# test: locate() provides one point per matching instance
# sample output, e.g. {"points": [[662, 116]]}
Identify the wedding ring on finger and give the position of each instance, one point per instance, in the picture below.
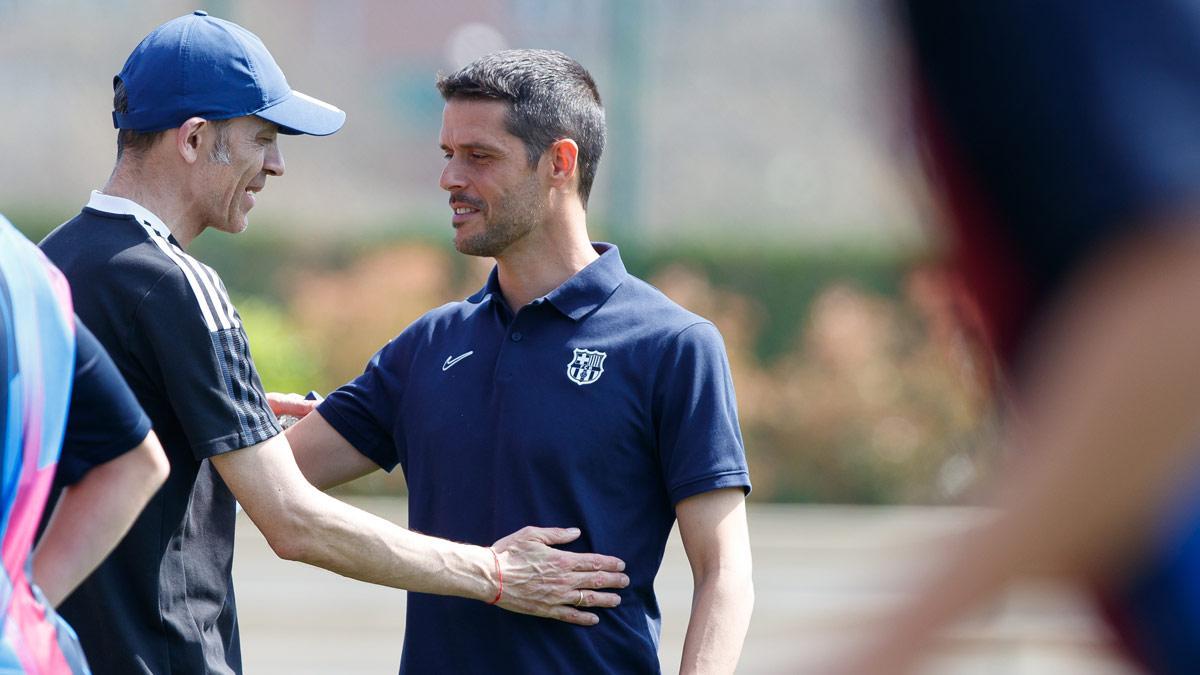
{"points": [[579, 602]]}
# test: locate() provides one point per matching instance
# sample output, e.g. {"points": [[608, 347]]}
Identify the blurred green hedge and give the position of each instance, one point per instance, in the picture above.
{"points": [[853, 383]]}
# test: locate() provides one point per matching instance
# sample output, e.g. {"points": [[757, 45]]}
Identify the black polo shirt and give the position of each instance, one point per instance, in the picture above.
{"points": [[163, 601]]}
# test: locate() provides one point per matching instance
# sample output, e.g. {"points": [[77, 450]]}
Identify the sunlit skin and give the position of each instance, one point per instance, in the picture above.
{"points": [[488, 176], [186, 183], [528, 217], [227, 191]]}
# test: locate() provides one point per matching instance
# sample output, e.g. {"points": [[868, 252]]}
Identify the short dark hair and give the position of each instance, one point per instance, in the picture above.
{"points": [[550, 96], [140, 141], [128, 139]]}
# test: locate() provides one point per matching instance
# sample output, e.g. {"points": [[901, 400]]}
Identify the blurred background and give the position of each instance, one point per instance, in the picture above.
{"points": [[759, 171]]}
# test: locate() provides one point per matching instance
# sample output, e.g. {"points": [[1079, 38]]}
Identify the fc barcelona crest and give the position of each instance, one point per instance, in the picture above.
{"points": [[586, 366]]}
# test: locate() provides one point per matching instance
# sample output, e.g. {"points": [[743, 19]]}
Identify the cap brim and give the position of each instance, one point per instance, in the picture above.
{"points": [[303, 114]]}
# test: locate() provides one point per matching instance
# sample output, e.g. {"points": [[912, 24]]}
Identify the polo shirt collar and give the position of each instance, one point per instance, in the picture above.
{"points": [[582, 293], [122, 206]]}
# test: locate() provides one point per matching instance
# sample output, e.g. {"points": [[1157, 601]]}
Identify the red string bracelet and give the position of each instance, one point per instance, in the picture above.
{"points": [[499, 577]]}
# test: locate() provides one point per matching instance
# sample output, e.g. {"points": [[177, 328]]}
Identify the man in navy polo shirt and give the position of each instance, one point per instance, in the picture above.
{"points": [[565, 390], [199, 104]]}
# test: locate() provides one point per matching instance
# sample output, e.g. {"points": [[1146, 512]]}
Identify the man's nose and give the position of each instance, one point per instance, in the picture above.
{"points": [[273, 162], [452, 177]]}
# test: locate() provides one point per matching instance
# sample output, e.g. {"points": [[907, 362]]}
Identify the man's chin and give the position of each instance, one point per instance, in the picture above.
{"points": [[232, 227], [467, 250], [473, 246]]}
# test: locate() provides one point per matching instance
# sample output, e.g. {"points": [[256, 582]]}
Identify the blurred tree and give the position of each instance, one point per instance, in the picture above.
{"points": [[283, 357], [856, 382]]}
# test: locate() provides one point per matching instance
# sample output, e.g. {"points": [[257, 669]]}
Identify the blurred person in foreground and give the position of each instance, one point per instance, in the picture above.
{"points": [[564, 389], [59, 381], [199, 106], [1066, 141]]}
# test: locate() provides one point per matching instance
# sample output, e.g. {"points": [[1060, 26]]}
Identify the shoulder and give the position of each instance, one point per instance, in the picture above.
{"points": [[446, 319], [193, 285], [662, 319], [431, 327], [95, 228], [110, 246]]}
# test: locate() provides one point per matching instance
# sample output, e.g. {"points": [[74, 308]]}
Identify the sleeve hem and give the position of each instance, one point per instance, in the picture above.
{"points": [[224, 444], [736, 478], [71, 470], [347, 431]]}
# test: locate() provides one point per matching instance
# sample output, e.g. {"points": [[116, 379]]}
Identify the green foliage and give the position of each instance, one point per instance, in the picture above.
{"points": [[782, 281], [852, 387], [284, 360], [36, 222]]}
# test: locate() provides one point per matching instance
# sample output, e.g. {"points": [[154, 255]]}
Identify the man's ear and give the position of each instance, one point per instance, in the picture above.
{"points": [[564, 162], [190, 136]]}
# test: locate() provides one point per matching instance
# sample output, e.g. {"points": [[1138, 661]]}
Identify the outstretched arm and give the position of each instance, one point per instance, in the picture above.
{"points": [[325, 458], [713, 528], [302, 523], [1109, 417]]}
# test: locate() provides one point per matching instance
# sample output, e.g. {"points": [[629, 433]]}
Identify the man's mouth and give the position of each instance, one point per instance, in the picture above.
{"points": [[463, 209], [251, 195]]}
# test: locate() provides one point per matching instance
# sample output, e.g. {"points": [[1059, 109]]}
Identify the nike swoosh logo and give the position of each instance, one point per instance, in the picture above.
{"points": [[450, 361]]}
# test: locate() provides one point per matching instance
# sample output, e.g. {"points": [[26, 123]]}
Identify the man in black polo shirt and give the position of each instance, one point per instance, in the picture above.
{"points": [[199, 104]]}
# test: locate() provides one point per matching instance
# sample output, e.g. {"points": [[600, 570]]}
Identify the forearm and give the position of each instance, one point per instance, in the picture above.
{"points": [[1108, 421], [328, 533], [1107, 418], [302, 523], [325, 458], [713, 528], [92, 516], [721, 607]]}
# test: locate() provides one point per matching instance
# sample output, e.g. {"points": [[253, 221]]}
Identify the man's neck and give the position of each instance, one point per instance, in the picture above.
{"points": [[543, 261], [128, 182]]}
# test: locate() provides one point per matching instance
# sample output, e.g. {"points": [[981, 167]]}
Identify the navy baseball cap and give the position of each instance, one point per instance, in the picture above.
{"points": [[201, 66]]}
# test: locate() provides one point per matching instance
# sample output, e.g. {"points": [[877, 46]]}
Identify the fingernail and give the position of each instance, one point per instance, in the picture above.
{"points": [[621, 566], [572, 530], [594, 620]]}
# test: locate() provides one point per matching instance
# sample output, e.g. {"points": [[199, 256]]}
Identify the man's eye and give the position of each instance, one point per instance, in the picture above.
{"points": [[478, 155]]}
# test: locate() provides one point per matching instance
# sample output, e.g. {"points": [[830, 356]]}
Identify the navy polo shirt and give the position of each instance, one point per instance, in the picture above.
{"points": [[599, 406]]}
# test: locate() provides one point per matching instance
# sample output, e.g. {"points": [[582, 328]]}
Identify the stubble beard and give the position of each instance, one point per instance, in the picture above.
{"points": [[515, 216], [225, 214]]}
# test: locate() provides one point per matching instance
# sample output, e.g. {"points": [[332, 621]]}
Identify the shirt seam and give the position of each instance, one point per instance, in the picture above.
{"points": [[708, 477], [662, 357], [339, 422], [127, 338]]}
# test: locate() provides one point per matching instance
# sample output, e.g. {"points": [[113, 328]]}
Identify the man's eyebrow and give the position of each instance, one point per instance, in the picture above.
{"points": [[491, 149]]}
